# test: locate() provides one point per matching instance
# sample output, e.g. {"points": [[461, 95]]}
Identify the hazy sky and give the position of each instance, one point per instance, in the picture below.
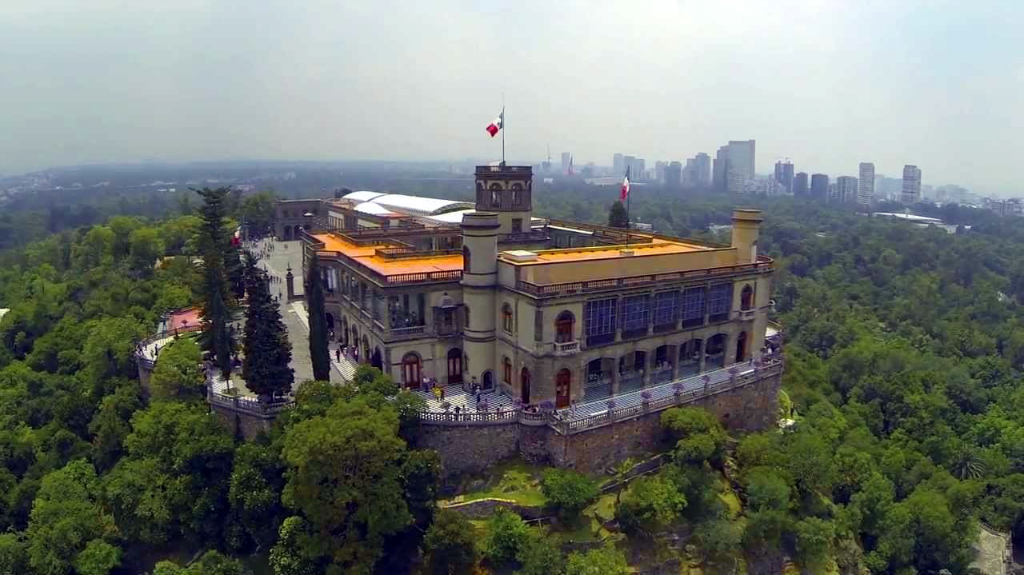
{"points": [[825, 83]]}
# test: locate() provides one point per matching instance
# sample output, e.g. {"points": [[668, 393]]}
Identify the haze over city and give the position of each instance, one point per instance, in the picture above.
{"points": [[827, 84]]}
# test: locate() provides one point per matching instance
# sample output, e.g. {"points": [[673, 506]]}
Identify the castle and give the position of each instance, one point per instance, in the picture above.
{"points": [[576, 322]]}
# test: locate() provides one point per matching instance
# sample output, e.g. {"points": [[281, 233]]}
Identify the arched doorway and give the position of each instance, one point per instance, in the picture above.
{"points": [[411, 370], [524, 386], [375, 359], [563, 385], [714, 354], [664, 357], [689, 357], [454, 366], [741, 347], [330, 321], [488, 382], [344, 330], [287, 233], [365, 354], [631, 371], [598, 382]]}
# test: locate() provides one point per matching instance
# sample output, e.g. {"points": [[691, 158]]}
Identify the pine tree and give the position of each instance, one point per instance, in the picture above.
{"points": [[318, 353], [216, 299], [265, 344], [617, 216]]}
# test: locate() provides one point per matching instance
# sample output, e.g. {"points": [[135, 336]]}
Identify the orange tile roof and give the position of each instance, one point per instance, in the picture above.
{"points": [[657, 247], [366, 255]]}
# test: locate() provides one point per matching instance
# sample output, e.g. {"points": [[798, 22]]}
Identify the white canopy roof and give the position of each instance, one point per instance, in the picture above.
{"points": [[451, 217], [373, 209], [362, 196], [419, 206]]}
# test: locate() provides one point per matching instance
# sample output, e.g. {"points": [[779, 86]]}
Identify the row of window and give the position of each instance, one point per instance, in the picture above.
{"points": [[633, 314]]}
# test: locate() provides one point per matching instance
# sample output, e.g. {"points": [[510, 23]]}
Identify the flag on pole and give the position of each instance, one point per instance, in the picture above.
{"points": [[625, 187], [494, 127]]}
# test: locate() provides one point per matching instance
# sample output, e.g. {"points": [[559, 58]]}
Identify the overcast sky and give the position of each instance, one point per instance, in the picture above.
{"points": [[826, 83]]}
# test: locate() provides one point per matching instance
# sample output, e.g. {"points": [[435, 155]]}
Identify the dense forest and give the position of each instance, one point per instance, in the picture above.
{"points": [[904, 350]]}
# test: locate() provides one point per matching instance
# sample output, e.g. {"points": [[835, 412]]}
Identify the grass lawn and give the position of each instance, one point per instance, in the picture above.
{"points": [[514, 480]]}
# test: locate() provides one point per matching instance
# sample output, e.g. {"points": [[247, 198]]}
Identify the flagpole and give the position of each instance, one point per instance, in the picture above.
{"points": [[628, 197], [503, 130]]}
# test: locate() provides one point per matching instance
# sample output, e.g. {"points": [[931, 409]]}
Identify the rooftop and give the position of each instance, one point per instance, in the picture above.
{"points": [[656, 247], [370, 257]]}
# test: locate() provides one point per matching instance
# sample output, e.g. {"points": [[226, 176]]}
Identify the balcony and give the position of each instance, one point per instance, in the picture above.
{"points": [[413, 332], [567, 348], [746, 314]]}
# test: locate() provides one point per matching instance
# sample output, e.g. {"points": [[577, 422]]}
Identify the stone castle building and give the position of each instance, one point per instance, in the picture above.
{"points": [[549, 313]]}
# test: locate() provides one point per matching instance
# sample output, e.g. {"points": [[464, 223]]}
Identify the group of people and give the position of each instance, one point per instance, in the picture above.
{"points": [[350, 352]]}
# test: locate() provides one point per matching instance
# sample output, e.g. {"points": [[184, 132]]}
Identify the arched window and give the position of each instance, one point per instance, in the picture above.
{"points": [[465, 259], [495, 195], [746, 297], [506, 318], [506, 370], [564, 324], [517, 194], [411, 370]]}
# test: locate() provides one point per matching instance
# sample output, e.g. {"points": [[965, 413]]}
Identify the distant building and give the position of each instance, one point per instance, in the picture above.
{"points": [[659, 171], [697, 173], [800, 184], [784, 175], [566, 159], [846, 189], [911, 185], [819, 187], [618, 164], [637, 169], [866, 184], [674, 176], [887, 189], [734, 166]]}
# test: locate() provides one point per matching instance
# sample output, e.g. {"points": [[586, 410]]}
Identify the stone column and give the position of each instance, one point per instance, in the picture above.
{"points": [[615, 377], [290, 281]]}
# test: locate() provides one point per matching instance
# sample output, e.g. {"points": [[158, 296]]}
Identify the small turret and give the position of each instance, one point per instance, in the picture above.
{"points": [[746, 226]]}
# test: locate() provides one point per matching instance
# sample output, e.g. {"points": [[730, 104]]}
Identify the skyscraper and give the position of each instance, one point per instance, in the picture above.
{"points": [[618, 165], [846, 189], [911, 185], [733, 166], [800, 184], [866, 184], [673, 176], [566, 157], [702, 170], [784, 175], [819, 187], [659, 171]]}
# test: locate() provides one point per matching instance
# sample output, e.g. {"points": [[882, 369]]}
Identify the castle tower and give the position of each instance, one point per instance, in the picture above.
{"points": [[508, 192], [746, 226], [479, 277]]}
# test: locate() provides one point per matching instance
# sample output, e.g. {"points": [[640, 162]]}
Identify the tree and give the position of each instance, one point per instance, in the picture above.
{"points": [[178, 373], [214, 293], [209, 563], [344, 477], [540, 554], [698, 434], [318, 353], [255, 494], [814, 543], [66, 517], [450, 545], [617, 216], [506, 536], [602, 561], [98, 558], [267, 351], [13, 553], [568, 491], [294, 553], [651, 504], [110, 425], [766, 490], [720, 541], [622, 470]]}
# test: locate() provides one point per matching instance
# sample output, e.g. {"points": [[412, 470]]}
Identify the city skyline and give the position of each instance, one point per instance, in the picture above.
{"points": [[109, 82]]}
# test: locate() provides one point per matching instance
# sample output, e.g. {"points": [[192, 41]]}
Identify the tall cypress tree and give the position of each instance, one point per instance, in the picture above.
{"points": [[318, 354], [215, 295], [617, 216], [268, 352]]}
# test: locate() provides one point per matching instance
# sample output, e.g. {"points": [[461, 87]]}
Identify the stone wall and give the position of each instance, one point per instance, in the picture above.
{"points": [[469, 448], [240, 423], [472, 449]]}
